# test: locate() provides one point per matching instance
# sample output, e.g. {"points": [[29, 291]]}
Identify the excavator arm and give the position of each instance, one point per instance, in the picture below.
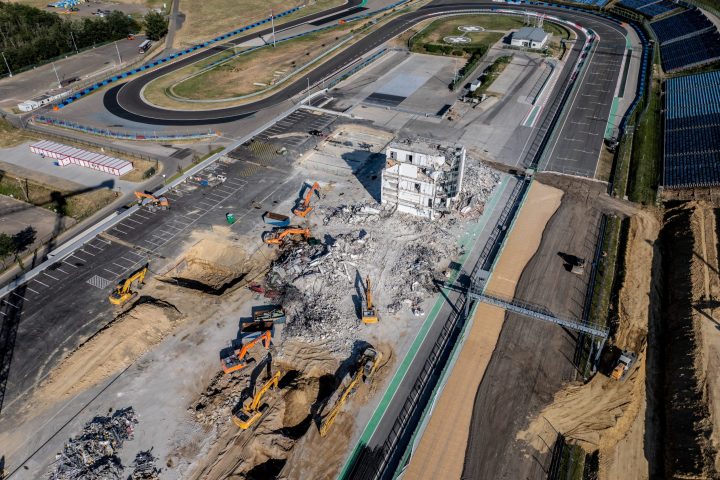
{"points": [[277, 237], [304, 208], [249, 414], [236, 361], [123, 291]]}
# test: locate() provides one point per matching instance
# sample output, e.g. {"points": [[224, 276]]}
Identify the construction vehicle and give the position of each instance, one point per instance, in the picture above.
{"points": [[253, 410], [236, 361], [369, 311], [276, 219], [623, 366], [277, 236], [366, 368], [151, 202], [304, 208], [123, 291]]}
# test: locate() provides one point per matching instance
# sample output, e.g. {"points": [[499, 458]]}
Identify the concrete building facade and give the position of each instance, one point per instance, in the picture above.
{"points": [[530, 37], [422, 178]]}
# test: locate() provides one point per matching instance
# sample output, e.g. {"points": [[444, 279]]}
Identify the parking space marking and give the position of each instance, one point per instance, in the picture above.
{"points": [[41, 283], [110, 271], [34, 291], [45, 273], [18, 295], [85, 251], [69, 264]]}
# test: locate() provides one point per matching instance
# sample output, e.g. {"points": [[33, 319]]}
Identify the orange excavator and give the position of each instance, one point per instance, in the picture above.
{"points": [[151, 202], [277, 236], [236, 361], [304, 208]]}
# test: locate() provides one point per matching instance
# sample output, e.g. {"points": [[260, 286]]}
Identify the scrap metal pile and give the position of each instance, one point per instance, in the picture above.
{"points": [[144, 466], [92, 455]]}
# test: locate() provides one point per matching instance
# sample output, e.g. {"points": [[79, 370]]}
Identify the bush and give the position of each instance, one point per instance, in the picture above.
{"points": [[149, 172], [156, 26]]}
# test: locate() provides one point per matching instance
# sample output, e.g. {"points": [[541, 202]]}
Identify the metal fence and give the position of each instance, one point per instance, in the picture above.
{"points": [[105, 132]]}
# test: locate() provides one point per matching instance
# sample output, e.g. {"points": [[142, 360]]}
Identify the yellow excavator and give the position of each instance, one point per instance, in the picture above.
{"points": [[276, 237], [123, 291], [369, 311], [253, 410], [304, 208], [151, 202], [367, 366]]}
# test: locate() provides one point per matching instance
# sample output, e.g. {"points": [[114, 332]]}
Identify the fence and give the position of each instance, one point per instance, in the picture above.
{"points": [[162, 60], [104, 132]]}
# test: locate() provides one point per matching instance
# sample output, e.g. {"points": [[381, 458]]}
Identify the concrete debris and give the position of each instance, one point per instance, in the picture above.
{"points": [[478, 184], [94, 453], [216, 403], [144, 466]]}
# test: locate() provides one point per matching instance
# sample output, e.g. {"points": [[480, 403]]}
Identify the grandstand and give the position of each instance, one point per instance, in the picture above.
{"points": [[596, 3], [682, 25], [692, 131], [649, 8], [687, 39]]}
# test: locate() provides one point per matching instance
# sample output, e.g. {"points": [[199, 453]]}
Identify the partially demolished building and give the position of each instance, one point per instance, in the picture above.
{"points": [[422, 178]]}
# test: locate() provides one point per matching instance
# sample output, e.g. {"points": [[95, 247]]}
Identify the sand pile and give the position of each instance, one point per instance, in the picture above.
{"points": [[211, 265], [112, 349]]}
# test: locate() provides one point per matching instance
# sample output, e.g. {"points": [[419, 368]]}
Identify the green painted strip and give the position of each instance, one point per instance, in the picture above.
{"points": [[466, 241], [611, 118], [531, 118], [628, 44]]}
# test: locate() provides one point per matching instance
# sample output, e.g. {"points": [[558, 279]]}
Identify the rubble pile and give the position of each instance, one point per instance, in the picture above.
{"points": [[479, 181], [93, 454], [144, 467], [222, 395]]}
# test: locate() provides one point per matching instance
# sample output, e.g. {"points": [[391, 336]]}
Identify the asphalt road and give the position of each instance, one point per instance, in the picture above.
{"points": [[125, 100]]}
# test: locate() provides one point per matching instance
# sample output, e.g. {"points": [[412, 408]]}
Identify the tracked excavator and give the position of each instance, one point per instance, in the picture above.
{"points": [[369, 311], [304, 208], [253, 410], [276, 237], [123, 291], [151, 202], [366, 368], [236, 361]]}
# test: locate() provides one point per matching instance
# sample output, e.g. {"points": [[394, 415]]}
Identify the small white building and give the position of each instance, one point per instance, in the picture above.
{"points": [[422, 178], [530, 37], [42, 100]]}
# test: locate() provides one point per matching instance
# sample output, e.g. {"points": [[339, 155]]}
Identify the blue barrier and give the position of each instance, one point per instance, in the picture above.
{"points": [[184, 52]]}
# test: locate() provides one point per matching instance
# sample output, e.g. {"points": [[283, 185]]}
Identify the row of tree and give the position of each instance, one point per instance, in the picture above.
{"points": [[29, 36]]}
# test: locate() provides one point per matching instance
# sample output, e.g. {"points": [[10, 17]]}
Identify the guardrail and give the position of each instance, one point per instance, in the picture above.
{"points": [[105, 132], [162, 60]]}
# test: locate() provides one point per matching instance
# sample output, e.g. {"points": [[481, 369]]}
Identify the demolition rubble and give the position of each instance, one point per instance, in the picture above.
{"points": [[94, 453]]}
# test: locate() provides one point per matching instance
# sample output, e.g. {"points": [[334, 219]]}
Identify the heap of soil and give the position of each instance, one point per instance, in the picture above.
{"points": [[211, 265], [112, 349]]}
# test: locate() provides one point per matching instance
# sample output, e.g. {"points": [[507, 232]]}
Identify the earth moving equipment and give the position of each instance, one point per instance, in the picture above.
{"points": [[236, 361], [304, 208], [253, 410], [623, 366], [123, 291], [366, 368], [151, 202], [276, 219], [369, 311], [277, 236]]}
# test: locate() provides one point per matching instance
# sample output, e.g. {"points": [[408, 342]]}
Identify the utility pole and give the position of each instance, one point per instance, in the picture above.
{"points": [[6, 63], [308, 90], [272, 22], [73, 40], [56, 75], [118, 52]]}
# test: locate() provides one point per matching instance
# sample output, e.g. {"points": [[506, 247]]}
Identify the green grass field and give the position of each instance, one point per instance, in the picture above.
{"points": [[647, 149]]}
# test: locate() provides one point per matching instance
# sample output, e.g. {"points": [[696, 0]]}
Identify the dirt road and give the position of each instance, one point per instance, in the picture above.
{"points": [[532, 359]]}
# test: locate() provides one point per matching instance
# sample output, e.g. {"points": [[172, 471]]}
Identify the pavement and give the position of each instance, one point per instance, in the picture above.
{"points": [[103, 59]]}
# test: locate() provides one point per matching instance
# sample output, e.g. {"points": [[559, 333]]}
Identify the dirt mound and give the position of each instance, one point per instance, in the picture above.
{"points": [[211, 265], [299, 400], [599, 414], [112, 349]]}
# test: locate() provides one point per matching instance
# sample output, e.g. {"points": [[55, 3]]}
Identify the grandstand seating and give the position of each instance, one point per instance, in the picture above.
{"points": [[597, 3], [692, 131], [691, 51], [649, 8], [680, 25]]}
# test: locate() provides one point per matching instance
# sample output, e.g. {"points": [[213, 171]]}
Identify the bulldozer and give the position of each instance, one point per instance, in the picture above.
{"points": [[123, 291], [277, 236], [623, 365], [304, 207], [236, 361], [366, 368], [151, 202], [253, 410], [369, 311]]}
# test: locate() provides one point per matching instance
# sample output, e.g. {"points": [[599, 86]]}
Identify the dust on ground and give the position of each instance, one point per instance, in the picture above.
{"points": [[441, 451]]}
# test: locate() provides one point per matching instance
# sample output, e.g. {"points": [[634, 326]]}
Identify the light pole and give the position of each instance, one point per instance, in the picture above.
{"points": [[272, 22], [73, 40], [6, 63]]}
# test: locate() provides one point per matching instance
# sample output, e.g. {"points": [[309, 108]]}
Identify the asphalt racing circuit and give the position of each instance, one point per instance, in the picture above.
{"points": [[68, 300]]}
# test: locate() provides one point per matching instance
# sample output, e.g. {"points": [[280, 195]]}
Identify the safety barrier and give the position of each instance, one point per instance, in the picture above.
{"points": [[160, 61], [104, 132]]}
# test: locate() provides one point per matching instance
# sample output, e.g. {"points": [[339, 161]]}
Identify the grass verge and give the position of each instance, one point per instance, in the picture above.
{"points": [[647, 150], [11, 136], [491, 73]]}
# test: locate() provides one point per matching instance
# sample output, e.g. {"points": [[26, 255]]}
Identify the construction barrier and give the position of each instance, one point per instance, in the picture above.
{"points": [[104, 132]]}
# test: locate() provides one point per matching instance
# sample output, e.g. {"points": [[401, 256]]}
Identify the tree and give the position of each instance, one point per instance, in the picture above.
{"points": [[156, 26], [7, 246]]}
